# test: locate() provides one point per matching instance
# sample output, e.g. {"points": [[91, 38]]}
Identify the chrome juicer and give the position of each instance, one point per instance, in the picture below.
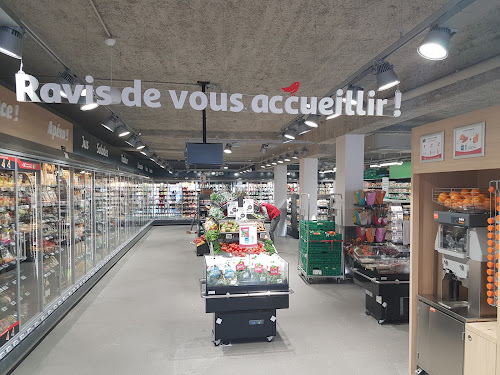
{"points": [[462, 241]]}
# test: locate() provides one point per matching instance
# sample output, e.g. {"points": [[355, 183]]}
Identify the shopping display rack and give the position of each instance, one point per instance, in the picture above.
{"points": [[493, 244], [320, 247]]}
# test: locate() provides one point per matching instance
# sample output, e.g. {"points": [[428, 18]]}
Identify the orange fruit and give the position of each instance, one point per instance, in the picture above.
{"points": [[498, 237], [490, 243], [490, 250], [490, 279], [465, 192], [489, 293], [497, 255], [483, 196], [497, 227], [490, 256], [475, 191], [496, 275], [498, 218], [497, 246], [496, 293], [489, 286], [489, 271], [491, 228], [443, 196], [490, 301], [490, 235], [498, 199], [491, 189], [490, 264], [477, 199], [447, 203], [496, 284], [490, 220]]}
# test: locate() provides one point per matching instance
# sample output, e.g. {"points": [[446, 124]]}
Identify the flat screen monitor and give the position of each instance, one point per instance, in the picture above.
{"points": [[204, 153]]}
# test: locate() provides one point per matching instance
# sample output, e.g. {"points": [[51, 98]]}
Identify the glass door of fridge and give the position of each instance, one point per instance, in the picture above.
{"points": [[101, 216], [82, 222], [9, 265], [113, 212], [31, 268], [65, 226], [50, 232], [123, 209]]}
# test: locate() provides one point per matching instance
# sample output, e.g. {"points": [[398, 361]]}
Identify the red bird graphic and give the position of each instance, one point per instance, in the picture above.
{"points": [[292, 89]]}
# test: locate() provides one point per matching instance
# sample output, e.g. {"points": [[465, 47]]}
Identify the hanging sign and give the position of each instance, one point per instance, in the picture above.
{"points": [[431, 147], [469, 141], [28, 165], [349, 103], [33, 123], [7, 162]]}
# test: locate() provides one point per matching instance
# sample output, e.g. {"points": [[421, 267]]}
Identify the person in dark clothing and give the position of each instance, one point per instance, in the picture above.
{"points": [[274, 215]]}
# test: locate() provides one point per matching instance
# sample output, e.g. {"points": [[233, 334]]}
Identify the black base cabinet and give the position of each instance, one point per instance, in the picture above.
{"points": [[386, 300], [244, 325]]}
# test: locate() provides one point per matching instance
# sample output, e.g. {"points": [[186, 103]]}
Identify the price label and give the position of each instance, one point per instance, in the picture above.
{"points": [[229, 236], [317, 272]]}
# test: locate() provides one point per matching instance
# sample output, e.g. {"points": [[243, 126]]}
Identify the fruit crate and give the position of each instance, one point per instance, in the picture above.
{"points": [[324, 225]]}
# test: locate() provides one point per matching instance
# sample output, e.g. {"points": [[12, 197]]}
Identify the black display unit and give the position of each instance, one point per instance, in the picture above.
{"points": [[386, 296]]}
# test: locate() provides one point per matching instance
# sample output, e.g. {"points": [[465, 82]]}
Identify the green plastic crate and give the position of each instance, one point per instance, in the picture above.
{"points": [[332, 257], [324, 269], [317, 225], [319, 247]]}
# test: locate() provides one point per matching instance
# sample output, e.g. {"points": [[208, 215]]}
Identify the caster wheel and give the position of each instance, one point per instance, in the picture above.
{"points": [[225, 342], [270, 338], [367, 312], [216, 342], [309, 280], [381, 321]]}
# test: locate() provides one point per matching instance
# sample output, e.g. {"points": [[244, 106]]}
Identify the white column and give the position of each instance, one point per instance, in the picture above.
{"points": [[280, 197], [350, 166], [308, 183]]}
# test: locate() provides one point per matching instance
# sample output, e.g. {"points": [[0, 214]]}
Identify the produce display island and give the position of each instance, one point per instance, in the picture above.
{"points": [[245, 280]]}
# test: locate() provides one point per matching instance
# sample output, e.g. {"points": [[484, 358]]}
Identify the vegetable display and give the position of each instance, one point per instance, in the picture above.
{"points": [[212, 235], [216, 213], [236, 250], [229, 226], [217, 247], [269, 246]]}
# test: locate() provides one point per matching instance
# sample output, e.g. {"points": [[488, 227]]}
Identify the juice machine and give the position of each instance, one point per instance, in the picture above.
{"points": [[462, 241]]}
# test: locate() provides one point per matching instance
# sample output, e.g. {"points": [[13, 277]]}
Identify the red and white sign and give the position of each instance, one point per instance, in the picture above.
{"points": [[28, 165], [431, 147], [469, 141], [273, 270]]}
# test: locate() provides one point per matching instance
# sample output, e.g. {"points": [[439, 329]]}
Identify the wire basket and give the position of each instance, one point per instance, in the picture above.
{"points": [[466, 200]]}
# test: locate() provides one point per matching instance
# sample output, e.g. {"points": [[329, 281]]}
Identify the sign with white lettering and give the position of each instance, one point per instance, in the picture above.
{"points": [[33, 123], [342, 102]]}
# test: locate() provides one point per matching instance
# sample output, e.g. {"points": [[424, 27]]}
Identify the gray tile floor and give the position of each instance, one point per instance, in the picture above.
{"points": [[146, 317]]}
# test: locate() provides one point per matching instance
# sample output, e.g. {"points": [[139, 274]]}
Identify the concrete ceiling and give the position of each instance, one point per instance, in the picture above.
{"points": [[251, 47]]}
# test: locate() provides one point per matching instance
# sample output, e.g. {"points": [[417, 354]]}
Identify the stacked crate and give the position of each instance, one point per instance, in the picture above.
{"points": [[320, 252]]}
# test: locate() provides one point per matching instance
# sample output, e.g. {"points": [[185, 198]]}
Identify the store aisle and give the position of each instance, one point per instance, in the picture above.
{"points": [[146, 317]]}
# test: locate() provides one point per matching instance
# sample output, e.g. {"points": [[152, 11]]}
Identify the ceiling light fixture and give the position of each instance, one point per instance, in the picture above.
{"points": [[303, 128], [268, 164], [146, 152], [140, 145], [225, 167], [290, 133], [66, 77], [122, 131], [280, 160], [295, 155], [11, 41], [110, 123], [227, 149], [236, 174], [386, 77], [263, 149], [312, 120], [304, 152], [355, 90], [435, 44], [84, 106], [391, 163], [374, 166], [333, 116], [287, 157], [273, 162], [132, 140]]}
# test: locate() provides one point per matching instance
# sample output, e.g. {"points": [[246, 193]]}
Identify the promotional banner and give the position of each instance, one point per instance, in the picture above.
{"points": [[33, 123]]}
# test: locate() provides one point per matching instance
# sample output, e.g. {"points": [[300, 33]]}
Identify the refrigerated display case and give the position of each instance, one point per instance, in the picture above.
{"points": [[59, 225]]}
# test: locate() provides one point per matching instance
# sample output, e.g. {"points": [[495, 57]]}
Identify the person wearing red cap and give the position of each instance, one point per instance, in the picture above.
{"points": [[274, 215]]}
